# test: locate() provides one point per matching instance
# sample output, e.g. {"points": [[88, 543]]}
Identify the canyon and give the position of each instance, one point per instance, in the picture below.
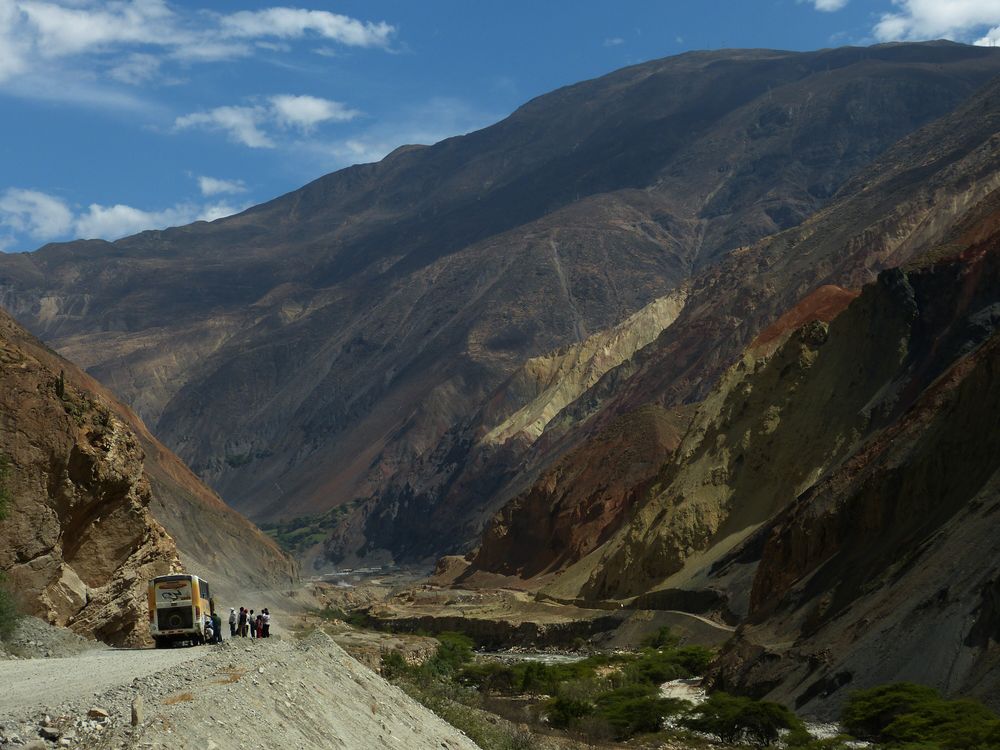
{"points": [[712, 337]]}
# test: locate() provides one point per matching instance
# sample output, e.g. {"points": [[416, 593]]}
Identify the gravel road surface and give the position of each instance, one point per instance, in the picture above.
{"points": [[44, 683]]}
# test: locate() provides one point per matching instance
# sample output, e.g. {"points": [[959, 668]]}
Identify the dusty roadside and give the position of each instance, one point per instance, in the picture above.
{"points": [[276, 693]]}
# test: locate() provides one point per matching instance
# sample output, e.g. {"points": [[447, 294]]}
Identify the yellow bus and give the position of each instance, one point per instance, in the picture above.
{"points": [[180, 608]]}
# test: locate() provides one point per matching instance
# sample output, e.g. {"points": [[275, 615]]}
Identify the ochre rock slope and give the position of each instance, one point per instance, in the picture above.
{"points": [[79, 543], [578, 504], [309, 351], [101, 506]]}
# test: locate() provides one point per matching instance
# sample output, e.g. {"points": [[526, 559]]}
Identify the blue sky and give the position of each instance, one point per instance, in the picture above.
{"points": [[134, 114]]}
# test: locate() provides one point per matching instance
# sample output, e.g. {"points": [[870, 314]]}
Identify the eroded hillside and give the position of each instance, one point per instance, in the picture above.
{"points": [[100, 507], [325, 346]]}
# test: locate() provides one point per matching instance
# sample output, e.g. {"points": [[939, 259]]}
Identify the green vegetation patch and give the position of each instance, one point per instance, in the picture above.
{"points": [[905, 714], [301, 533], [607, 696], [739, 720]]}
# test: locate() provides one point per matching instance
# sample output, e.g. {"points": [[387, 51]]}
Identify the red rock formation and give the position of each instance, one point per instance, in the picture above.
{"points": [[584, 499]]}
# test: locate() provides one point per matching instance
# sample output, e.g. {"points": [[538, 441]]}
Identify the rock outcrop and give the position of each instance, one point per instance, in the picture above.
{"points": [[100, 507], [578, 504], [884, 567], [328, 346], [79, 543], [913, 200]]}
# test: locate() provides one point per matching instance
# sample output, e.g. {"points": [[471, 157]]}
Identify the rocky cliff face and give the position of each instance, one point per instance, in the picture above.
{"points": [[883, 568], [80, 543], [907, 202], [100, 507], [366, 318], [576, 506]]}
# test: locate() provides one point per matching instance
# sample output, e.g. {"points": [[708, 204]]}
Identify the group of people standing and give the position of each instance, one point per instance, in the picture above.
{"points": [[245, 622]]}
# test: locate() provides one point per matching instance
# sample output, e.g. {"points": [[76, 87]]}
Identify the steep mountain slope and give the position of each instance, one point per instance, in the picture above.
{"points": [[100, 506], [910, 201], [884, 568], [308, 351], [893, 209], [80, 542]]}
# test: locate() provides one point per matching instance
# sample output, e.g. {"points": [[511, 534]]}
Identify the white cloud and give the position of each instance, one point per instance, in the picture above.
{"points": [[306, 112], [293, 23], [246, 124], [114, 222], [60, 31], [212, 186], [240, 123], [135, 69], [960, 20], [30, 215], [35, 214], [613, 41], [130, 41], [829, 6], [990, 39]]}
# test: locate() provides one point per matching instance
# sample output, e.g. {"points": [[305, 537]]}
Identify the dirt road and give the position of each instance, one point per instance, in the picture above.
{"points": [[49, 683], [281, 692]]}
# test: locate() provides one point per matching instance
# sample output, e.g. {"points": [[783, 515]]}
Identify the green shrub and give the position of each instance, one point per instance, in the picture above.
{"points": [[454, 650], [735, 719], [563, 711], [662, 638], [393, 665], [913, 715], [868, 712], [636, 709], [353, 618]]}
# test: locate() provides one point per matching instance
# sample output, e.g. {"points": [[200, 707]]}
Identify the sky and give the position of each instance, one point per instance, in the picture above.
{"points": [[123, 115]]}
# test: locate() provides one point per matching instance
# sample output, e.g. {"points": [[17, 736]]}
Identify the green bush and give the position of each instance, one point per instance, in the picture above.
{"points": [[868, 712], [662, 638], [735, 719], [913, 715], [660, 665], [393, 665], [636, 709], [454, 650], [562, 711]]}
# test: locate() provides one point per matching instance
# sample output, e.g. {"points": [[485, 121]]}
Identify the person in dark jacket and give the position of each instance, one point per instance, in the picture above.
{"points": [[243, 622], [217, 626]]}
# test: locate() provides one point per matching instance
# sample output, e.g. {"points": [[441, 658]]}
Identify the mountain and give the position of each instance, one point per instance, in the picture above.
{"points": [[99, 506], [835, 491], [888, 556], [332, 347], [886, 213]]}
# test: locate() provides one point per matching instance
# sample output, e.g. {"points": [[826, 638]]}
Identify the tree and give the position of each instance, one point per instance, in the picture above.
{"points": [[907, 714], [735, 719]]}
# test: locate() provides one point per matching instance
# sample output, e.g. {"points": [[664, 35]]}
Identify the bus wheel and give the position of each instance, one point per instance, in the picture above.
{"points": [[161, 643]]}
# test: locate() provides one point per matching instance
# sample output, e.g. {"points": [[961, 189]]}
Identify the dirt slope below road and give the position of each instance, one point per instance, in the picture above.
{"points": [[305, 694]]}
